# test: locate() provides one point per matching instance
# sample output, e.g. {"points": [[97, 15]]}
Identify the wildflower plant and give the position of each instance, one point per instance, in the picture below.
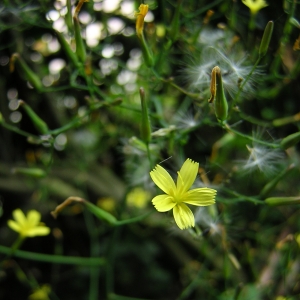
{"points": [[99, 99]]}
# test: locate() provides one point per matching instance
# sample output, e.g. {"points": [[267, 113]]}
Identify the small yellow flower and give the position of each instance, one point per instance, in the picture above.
{"points": [[140, 16], [42, 293], [177, 195], [255, 5], [28, 226], [138, 197]]}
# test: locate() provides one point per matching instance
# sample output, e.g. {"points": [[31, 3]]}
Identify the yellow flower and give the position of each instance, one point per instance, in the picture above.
{"points": [[41, 293], [177, 195], [138, 197], [255, 5], [28, 226], [140, 18]]}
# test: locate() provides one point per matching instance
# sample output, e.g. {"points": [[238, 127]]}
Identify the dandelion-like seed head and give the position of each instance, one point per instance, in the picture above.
{"points": [[235, 69], [185, 120], [203, 218], [263, 158]]}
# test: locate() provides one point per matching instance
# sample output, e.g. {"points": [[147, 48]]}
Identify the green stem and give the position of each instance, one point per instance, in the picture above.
{"points": [[149, 156], [54, 259], [247, 198], [94, 252], [271, 145], [19, 131]]}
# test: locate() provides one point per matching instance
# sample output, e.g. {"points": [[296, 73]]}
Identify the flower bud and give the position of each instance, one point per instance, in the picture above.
{"points": [[39, 124], [294, 22], [290, 140], [80, 47], [264, 45], [277, 201], [29, 74], [32, 172], [140, 18], [69, 52], [145, 124], [218, 95], [100, 213], [147, 54]]}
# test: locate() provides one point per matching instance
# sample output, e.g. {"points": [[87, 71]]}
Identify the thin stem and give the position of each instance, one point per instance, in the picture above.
{"points": [[94, 251], [149, 156], [246, 198], [19, 131], [54, 259], [271, 145]]}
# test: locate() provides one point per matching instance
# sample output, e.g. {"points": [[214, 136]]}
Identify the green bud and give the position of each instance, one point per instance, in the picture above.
{"points": [[145, 125], [1, 118], [277, 201], [32, 172], [264, 45], [29, 74], [39, 124], [100, 213], [68, 17], [175, 26], [80, 47], [67, 48], [294, 22], [290, 140], [218, 95]]}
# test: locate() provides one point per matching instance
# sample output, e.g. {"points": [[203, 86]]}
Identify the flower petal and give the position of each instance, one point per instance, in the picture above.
{"points": [[19, 217], [183, 216], [39, 230], [187, 175], [163, 179], [200, 197], [163, 203], [14, 225], [33, 218]]}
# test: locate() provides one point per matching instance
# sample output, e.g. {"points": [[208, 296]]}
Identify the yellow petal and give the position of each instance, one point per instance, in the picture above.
{"points": [[183, 216], [40, 230], [19, 216], [33, 218], [13, 225], [163, 179], [200, 197], [163, 203], [187, 175]]}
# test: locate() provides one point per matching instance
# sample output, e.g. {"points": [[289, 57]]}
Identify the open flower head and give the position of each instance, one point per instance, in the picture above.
{"points": [[28, 226], [176, 195], [255, 5]]}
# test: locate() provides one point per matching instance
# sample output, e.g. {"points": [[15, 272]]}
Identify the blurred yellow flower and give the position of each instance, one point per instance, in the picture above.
{"points": [[28, 226], [41, 293], [140, 16], [255, 5], [107, 203], [177, 195], [138, 197]]}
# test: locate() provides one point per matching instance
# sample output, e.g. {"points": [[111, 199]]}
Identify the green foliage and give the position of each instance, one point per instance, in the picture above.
{"points": [[78, 92]]}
